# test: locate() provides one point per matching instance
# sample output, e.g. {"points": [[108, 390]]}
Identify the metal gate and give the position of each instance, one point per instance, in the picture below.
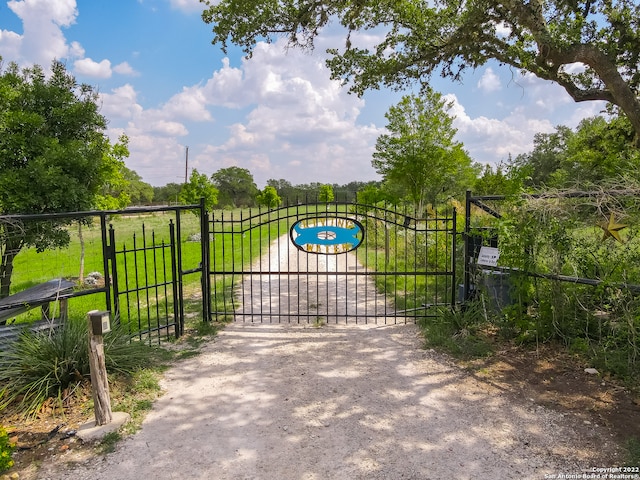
{"points": [[328, 263], [145, 283]]}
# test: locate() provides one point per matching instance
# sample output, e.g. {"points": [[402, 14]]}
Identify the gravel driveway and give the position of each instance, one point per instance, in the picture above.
{"points": [[356, 401]]}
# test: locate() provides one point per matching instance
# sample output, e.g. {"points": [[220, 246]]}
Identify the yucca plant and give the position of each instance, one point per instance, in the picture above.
{"points": [[39, 366]]}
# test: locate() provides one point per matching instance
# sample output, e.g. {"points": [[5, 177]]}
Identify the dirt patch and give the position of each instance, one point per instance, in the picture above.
{"points": [[557, 380]]}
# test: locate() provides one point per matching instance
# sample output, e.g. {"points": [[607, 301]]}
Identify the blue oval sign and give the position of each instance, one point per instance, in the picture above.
{"points": [[327, 235]]}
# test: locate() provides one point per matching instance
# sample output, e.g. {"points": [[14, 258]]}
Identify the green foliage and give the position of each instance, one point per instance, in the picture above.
{"points": [[326, 194], [113, 194], [269, 197], [420, 38], [42, 365], [632, 456], [420, 154], [236, 187], [168, 194], [598, 152], [591, 310], [6, 450], [458, 331], [199, 186], [52, 156]]}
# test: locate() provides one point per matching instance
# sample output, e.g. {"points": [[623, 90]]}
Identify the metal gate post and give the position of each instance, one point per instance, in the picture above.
{"points": [[106, 257], [466, 294], [205, 249]]}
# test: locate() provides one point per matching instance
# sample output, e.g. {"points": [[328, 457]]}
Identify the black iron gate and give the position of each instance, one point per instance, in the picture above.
{"points": [[145, 284], [330, 262]]}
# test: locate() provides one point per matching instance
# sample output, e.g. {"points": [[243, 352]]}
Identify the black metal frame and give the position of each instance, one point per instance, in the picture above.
{"points": [[303, 287], [157, 286]]}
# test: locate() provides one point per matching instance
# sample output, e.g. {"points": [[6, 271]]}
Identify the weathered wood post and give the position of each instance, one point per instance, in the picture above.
{"points": [[98, 325]]}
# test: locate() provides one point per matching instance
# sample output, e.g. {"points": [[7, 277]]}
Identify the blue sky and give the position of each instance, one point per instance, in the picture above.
{"points": [[164, 84]]}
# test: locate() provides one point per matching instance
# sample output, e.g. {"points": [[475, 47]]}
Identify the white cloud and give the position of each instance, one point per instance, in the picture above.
{"points": [[121, 103], [91, 68], [189, 104], [188, 6], [43, 39], [491, 140], [489, 82], [125, 69]]}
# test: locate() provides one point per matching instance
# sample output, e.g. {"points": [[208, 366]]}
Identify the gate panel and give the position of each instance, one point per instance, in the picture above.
{"points": [[146, 297], [310, 263]]}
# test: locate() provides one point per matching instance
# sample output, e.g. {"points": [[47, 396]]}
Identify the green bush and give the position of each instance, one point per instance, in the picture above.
{"points": [[6, 449], [39, 366], [458, 330]]}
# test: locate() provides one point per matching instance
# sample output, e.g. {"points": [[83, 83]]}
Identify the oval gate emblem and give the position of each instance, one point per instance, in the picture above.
{"points": [[327, 235]]}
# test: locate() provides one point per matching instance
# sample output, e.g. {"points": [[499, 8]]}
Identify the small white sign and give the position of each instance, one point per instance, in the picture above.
{"points": [[488, 256]]}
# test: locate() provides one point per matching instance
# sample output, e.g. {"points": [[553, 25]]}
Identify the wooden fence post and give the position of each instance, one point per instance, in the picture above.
{"points": [[99, 382]]}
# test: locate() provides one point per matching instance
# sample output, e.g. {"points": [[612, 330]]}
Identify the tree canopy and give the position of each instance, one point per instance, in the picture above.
{"points": [[422, 37], [236, 187], [199, 186], [420, 153], [598, 152], [52, 156], [269, 197]]}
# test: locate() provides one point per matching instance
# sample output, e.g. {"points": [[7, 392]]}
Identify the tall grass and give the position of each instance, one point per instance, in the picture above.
{"points": [[42, 365]]}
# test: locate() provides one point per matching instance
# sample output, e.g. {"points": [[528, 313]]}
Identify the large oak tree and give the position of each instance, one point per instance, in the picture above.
{"points": [[52, 157], [546, 38]]}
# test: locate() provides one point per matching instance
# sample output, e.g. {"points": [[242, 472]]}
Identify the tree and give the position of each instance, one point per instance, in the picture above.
{"points": [[422, 37], [269, 197], [549, 150], [236, 187], [500, 181], [141, 193], [420, 153], [325, 193], [597, 153], [52, 152], [284, 188], [167, 194], [199, 186], [113, 194]]}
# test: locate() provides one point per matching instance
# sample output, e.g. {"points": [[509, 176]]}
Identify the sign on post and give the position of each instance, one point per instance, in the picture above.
{"points": [[488, 256]]}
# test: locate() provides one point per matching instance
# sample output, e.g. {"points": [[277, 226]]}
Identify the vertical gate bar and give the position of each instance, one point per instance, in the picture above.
{"points": [[177, 275], [243, 261], [155, 280], [416, 288], [205, 265], [279, 273], [137, 282], [454, 245], [114, 274], [268, 258], [437, 278], [165, 282], [298, 265], [107, 256], [146, 277], [214, 263], [224, 260], [466, 294], [428, 291], [174, 273]]}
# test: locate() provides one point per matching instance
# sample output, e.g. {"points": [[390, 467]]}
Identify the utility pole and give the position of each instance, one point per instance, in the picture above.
{"points": [[186, 164]]}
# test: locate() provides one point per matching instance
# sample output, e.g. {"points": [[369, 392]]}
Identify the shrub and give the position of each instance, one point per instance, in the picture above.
{"points": [[6, 449], [42, 365]]}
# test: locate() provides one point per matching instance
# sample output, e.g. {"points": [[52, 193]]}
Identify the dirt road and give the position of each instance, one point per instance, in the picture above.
{"points": [[357, 401], [337, 402]]}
